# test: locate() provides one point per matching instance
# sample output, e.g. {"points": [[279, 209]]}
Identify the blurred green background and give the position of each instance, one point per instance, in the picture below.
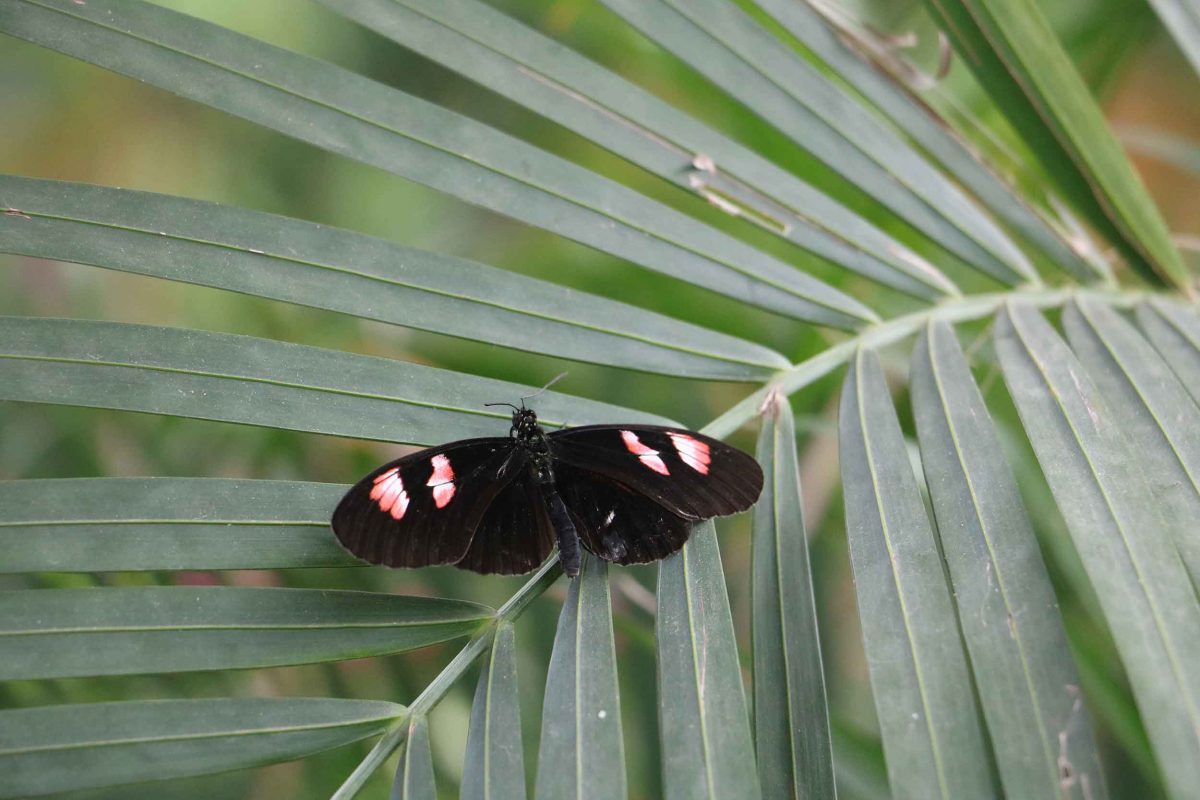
{"points": [[63, 119]]}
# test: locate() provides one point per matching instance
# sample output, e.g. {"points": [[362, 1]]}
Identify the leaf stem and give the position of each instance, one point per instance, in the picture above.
{"points": [[436, 690], [959, 309]]}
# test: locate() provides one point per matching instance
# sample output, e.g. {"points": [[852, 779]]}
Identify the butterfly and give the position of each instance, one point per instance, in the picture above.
{"points": [[627, 493]]}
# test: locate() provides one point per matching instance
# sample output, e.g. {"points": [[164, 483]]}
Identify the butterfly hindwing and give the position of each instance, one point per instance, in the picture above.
{"points": [[692, 475], [424, 508], [515, 534], [616, 523]]}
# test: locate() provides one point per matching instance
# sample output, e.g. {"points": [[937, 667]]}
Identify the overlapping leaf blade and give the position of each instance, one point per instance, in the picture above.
{"points": [[356, 117], [256, 381], [1097, 478], [703, 724], [1030, 690], [299, 262], [67, 633], [495, 760], [932, 734], [53, 749], [1175, 333], [582, 753], [1182, 19], [1153, 409], [791, 718], [414, 774], [726, 46], [804, 21], [1015, 55], [103, 524], [494, 50]]}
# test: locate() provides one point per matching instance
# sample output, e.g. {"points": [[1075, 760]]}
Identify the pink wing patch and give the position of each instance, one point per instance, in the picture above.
{"points": [[648, 456], [389, 493], [694, 452], [442, 481]]}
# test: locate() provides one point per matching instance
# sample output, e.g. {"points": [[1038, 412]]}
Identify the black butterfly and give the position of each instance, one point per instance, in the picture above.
{"points": [[629, 493]]}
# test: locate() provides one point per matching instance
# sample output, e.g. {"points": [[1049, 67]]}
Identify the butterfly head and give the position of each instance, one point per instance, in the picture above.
{"points": [[524, 424]]}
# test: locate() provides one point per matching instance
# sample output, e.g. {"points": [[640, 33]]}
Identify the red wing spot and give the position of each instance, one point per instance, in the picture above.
{"points": [[693, 452], [442, 480], [646, 455], [389, 493]]}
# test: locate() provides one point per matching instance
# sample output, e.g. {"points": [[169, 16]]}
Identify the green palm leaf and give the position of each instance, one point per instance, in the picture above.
{"points": [[495, 755], [63, 748], [67, 633], [414, 775], [285, 259]]}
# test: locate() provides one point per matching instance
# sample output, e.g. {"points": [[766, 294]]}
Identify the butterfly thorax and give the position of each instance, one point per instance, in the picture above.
{"points": [[531, 437]]}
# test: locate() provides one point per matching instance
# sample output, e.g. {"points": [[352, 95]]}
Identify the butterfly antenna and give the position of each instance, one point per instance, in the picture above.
{"points": [[510, 405], [542, 390]]}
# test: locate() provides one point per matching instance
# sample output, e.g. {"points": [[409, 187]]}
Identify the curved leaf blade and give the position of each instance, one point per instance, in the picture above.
{"points": [[124, 524], [67, 633], [582, 752], [1015, 55], [313, 265], [1175, 333], [494, 768], [1152, 407], [703, 724], [791, 715], [931, 731], [63, 748], [1182, 19], [490, 48], [353, 116], [229, 378], [806, 23], [1030, 690], [1096, 477], [725, 45], [414, 774]]}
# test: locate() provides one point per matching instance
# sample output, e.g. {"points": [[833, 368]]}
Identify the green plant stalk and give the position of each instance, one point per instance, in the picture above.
{"points": [[951, 310], [785, 382], [436, 690]]}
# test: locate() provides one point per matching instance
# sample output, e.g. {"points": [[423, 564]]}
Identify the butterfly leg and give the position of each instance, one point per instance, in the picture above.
{"points": [[564, 530]]}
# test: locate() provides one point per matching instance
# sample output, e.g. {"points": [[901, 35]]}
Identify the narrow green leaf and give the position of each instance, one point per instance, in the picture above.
{"points": [[582, 754], [67, 633], [299, 262], [414, 774], [931, 731], [254, 381], [1029, 687], [1180, 152], [1175, 333], [1182, 19], [938, 141], [1015, 55], [494, 767], [704, 728], [725, 45], [491, 48], [103, 524], [348, 114], [69, 747], [1153, 409], [1114, 520], [791, 717]]}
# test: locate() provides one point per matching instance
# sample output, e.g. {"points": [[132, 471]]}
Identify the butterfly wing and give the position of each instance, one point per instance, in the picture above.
{"points": [[617, 523], [515, 534], [689, 474], [424, 508]]}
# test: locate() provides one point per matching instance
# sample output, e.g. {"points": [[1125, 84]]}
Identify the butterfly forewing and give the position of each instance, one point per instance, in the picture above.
{"points": [[691, 475], [424, 508]]}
